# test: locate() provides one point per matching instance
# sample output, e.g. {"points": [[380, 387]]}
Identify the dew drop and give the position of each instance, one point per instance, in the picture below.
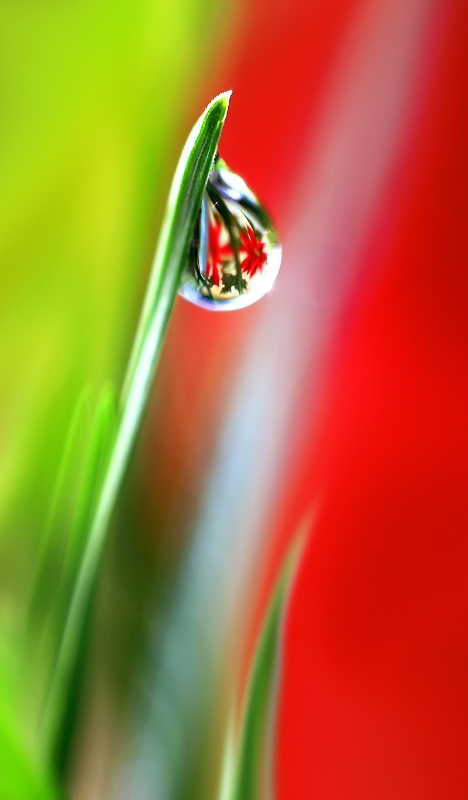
{"points": [[235, 254]]}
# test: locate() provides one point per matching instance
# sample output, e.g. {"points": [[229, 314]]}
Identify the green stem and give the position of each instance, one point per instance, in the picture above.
{"points": [[172, 252]]}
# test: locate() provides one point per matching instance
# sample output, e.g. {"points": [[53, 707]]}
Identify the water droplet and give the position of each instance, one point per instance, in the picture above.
{"points": [[235, 254]]}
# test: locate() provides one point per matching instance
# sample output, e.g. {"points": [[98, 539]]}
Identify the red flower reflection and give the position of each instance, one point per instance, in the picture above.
{"points": [[217, 252], [254, 250]]}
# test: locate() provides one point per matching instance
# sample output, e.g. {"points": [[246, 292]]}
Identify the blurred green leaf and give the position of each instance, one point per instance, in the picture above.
{"points": [[20, 776], [23, 774], [247, 773], [80, 476], [60, 516]]}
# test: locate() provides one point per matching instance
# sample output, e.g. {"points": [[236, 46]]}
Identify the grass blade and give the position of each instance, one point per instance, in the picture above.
{"points": [[59, 518], [95, 448], [248, 774], [184, 202]]}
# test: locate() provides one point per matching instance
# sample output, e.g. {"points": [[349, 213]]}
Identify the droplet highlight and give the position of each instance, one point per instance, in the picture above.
{"points": [[235, 253]]}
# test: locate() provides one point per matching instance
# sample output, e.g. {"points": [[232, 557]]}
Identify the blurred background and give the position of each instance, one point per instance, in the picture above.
{"points": [[335, 409]]}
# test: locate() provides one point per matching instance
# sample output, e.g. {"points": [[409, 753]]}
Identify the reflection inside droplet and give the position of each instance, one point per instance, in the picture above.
{"points": [[235, 254]]}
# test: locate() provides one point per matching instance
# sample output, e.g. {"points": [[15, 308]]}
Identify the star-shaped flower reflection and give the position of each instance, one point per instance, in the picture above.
{"points": [[253, 252]]}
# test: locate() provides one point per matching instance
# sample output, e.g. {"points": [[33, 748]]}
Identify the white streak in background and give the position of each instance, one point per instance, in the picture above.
{"points": [[361, 131]]}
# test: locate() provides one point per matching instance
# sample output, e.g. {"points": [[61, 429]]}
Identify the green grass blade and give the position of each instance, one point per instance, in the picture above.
{"points": [[184, 202], [59, 518], [23, 773], [248, 776], [95, 449], [94, 469]]}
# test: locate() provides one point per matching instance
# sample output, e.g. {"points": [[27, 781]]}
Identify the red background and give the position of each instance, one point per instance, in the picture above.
{"points": [[373, 699]]}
